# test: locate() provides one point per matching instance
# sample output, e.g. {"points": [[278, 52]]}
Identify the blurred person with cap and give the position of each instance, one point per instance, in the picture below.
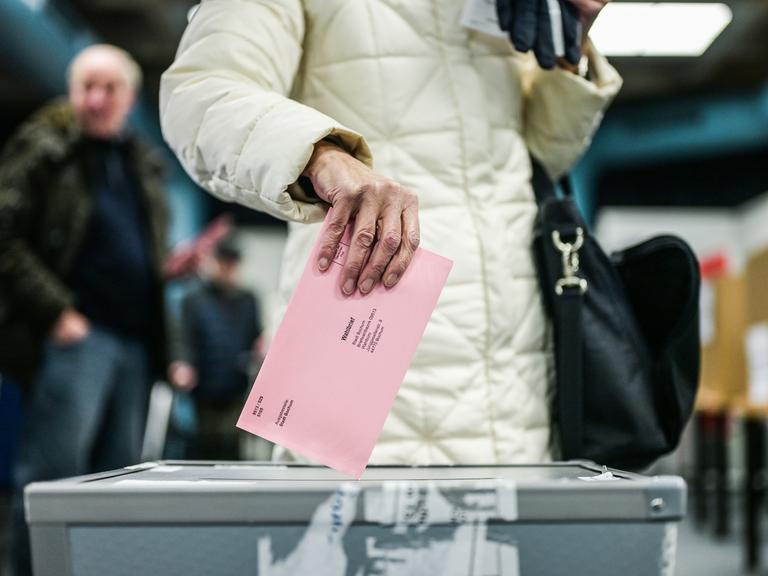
{"points": [[218, 344], [82, 240], [284, 106]]}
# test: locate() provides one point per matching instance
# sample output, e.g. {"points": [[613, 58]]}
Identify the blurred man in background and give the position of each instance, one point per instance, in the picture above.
{"points": [[221, 325], [82, 239]]}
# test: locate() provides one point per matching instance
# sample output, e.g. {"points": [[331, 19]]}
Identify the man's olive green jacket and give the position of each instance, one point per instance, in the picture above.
{"points": [[45, 205]]}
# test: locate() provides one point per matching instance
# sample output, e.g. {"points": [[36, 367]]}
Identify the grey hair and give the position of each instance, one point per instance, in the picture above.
{"points": [[131, 67]]}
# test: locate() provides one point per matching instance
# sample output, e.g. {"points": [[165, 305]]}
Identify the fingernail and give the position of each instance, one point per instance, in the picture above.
{"points": [[323, 263], [349, 286], [366, 285], [390, 281]]}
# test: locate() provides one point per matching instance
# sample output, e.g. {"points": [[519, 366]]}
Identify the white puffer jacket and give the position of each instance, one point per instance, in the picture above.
{"points": [[447, 112]]}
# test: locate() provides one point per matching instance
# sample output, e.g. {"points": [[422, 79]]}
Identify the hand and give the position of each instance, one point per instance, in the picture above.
{"points": [[70, 328], [588, 11], [186, 260], [182, 263], [182, 376], [385, 215], [258, 348]]}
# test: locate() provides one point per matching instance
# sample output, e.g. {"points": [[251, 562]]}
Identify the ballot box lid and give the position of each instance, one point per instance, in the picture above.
{"points": [[262, 492]]}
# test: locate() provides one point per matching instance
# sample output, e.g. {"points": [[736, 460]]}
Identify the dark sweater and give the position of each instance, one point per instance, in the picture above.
{"points": [[112, 275], [219, 329]]}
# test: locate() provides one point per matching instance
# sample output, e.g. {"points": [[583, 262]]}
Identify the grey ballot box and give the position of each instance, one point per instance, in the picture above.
{"points": [[220, 519]]}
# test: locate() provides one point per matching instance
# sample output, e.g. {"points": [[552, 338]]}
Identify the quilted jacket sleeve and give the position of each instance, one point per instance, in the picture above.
{"points": [[563, 111], [226, 113]]}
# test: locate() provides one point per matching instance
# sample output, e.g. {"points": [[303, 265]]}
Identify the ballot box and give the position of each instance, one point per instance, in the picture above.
{"points": [[221, 519]]}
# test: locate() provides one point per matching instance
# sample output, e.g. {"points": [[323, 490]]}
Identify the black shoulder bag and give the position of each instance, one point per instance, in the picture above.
{"points": [[626, 335]]}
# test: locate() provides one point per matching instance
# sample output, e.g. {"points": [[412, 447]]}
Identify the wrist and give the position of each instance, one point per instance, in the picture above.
{"points": [[323, 153]]}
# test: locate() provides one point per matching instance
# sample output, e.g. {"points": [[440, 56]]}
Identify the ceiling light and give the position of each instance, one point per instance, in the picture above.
{"points": [[35, 5], [658, 28]]}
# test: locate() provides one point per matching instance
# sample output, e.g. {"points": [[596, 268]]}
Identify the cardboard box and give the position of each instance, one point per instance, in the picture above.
{"points": [[723, 365], [754, 397], [757, 287]]}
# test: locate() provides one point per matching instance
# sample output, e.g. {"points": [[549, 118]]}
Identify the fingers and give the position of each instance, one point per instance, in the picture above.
{"points": [[387, 243], [544, 47], [408, 244], [329, 244], [571, 31], [363, 237], [523, 33], [384, 238], [505, 9]]}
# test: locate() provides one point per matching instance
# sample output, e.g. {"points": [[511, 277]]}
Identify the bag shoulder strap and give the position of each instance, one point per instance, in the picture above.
{"points": [[568, 326], [568, 362], [543, 188]]}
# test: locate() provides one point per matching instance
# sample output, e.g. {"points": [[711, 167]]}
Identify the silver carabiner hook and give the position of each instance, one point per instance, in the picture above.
{"points": [[570, 257]]}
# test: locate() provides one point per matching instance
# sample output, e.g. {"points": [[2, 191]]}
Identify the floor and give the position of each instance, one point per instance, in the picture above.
{"points": [[701, 554]]}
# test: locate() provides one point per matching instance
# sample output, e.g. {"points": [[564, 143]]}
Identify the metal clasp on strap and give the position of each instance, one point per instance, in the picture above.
{"points": [[570, 255]]}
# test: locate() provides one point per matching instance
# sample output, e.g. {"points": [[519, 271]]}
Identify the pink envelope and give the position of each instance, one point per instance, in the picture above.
{"points": [[337, 362]]}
